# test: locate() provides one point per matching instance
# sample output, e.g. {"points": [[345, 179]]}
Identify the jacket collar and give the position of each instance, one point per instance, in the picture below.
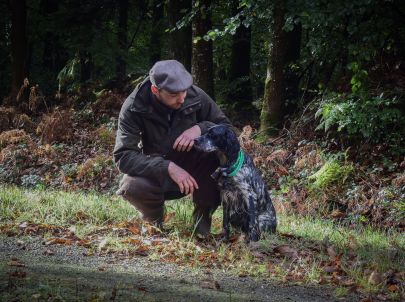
{"points": [[143, 99]]}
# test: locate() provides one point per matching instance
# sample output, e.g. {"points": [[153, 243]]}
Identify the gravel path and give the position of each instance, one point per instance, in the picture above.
{"points": [[64, 273]]}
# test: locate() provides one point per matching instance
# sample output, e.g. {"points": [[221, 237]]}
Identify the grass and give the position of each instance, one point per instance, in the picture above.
{"points": [[97, 218]]}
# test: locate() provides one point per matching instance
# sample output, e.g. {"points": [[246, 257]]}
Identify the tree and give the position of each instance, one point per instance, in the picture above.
{"points": [[281, 81], [156, 44], [18, 44], [180, 39], [122, 38], [240, 88], [202, 59]]}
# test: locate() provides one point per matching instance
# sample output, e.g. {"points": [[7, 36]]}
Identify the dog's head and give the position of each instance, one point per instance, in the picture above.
{"points": [[218, 138]]}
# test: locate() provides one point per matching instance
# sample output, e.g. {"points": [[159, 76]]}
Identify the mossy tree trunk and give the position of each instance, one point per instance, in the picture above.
{"points": [[281, 86]]}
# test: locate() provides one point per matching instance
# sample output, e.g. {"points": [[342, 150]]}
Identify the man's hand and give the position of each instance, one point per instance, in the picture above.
{"points": [[186, 140], [182, 178]]}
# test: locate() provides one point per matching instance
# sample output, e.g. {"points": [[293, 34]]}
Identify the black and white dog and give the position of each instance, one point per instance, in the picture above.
{"points": [[245, 199]]}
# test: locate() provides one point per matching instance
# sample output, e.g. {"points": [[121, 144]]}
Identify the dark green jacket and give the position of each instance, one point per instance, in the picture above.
{"points": [[147, 129]]}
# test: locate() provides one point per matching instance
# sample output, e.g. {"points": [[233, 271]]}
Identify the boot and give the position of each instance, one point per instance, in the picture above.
{"points": [[202, 220]]}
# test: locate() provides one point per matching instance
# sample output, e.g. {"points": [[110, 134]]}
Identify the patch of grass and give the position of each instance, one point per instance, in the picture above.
{"points": [[62, 208]]}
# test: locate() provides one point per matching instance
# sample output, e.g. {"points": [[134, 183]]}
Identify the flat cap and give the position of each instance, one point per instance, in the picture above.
{"points": [[170, 75]]}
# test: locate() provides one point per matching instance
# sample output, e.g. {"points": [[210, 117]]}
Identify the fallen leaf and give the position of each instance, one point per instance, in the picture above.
{"points": [[49, 252], [15, 263], [210, 284], [132, 241], [23, 225], [142, 250], [375, 278], [337, 214], [20, 243], [59, 241], [169, 216], [135, 229], [286, 251], [393, 288], [142, 289], [258, 254], [84, 242], [234, 238], [81, 216], [331, 252], [329, 269], [102, 244], [18, 274]]}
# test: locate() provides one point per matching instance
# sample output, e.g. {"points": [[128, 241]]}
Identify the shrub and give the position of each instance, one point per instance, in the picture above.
{"points": [[372, 118], [361, 113]]}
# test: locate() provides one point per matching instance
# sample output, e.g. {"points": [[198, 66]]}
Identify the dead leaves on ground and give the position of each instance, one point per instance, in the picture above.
{"points": [[291, 261]]}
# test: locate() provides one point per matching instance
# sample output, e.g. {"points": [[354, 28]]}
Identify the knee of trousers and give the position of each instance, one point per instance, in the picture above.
{"points": [[141, 192]]}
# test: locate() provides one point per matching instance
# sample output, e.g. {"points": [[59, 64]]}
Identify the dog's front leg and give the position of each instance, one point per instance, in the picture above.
{"points": [[254, 234], [225, 222]]}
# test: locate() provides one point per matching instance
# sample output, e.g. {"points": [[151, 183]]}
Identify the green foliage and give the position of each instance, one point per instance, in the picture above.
{"points": [[373, 118], [332, 172], [32, 180], [69, 74]]}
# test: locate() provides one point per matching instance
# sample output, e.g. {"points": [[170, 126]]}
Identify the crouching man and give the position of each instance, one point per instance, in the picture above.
{"points": [[157, 126]]}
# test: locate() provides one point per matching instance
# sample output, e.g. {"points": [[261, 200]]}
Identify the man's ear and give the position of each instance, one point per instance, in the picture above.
{"points": [[154, 90]]}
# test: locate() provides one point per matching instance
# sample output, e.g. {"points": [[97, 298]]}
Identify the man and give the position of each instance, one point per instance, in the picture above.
{"points": [[157, 126]]}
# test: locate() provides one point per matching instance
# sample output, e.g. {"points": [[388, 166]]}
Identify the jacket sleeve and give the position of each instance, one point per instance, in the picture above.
{"points": [[128, 154], [210, 113]]}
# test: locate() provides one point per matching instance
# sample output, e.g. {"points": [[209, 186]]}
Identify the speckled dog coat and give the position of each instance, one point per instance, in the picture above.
{"points": [[245, 199]]}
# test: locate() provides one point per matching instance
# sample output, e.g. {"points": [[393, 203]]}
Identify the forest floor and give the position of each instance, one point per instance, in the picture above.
{"points": [[52, 241], [70, 275], [341, 210]]}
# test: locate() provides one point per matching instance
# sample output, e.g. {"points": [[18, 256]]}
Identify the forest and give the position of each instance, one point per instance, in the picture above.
{"points": [[315, 90]]}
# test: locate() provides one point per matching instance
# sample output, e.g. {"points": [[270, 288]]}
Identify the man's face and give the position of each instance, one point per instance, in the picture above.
{"points": [[173, 100]]}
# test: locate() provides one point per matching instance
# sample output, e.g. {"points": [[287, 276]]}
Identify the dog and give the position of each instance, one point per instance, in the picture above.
{"points": [[245, 199]]}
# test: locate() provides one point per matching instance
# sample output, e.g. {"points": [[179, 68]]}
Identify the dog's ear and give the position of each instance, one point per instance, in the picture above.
{"points": [[232, 143]]}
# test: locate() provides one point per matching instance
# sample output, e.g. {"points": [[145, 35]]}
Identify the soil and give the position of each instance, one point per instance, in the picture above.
{"points": [[32, 271]]}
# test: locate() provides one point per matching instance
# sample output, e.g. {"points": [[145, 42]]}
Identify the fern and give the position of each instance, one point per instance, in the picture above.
{"points": [[332, 172]]}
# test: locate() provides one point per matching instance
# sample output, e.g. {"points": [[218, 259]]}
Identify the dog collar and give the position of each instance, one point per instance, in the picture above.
{"points": [[236, 166]]}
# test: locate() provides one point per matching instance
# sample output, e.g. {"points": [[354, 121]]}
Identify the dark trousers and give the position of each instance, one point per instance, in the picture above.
{"points": [[148, 197]]}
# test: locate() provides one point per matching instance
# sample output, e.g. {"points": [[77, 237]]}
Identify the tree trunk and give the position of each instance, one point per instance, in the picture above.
{"points": [[50, 55], [281, 84], [202, 59], [156, 32], [18, 45], [291, 76], [122, 38], [240, 91], [180, 39]]}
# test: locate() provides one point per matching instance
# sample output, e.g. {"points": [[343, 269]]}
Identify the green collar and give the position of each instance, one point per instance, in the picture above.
{"points": [[236, 166]]}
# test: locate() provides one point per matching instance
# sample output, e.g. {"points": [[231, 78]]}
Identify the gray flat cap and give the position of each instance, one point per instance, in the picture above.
{"points": [[171, 76]]}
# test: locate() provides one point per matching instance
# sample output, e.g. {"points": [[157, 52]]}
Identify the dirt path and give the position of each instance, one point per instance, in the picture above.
{"points": [[69, 275]]}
